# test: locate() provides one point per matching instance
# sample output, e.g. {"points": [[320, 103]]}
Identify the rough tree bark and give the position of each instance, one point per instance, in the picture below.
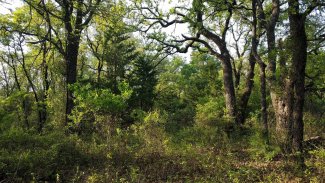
{"points": [[71, 58], [288, 91], [72, 49], [229, 88], [243, 102], [280, 92], [298, 48]]}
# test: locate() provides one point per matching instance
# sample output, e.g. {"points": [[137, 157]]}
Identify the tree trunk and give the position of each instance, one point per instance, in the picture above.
{"points": [[263, 102], [225, 58], [24, 102], [230, 97], [298, 45], [72, 49], [262, 66], [242, 111], [71, 70], [237, 72], [288, 106], [280, 91], [283, 106], [46, 87]]}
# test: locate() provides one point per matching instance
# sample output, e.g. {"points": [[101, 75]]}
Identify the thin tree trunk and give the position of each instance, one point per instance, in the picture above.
{"points": [[237, 72], [242, 111], [263, 102], [24, 102], [6, 79], [262, 66], [99, 69], [46, 86], [31, 84]]}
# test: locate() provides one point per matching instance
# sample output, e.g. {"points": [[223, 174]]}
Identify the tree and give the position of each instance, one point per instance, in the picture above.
{"points": [[143, 81], [288, 107], [298, 48], [205, 36], [75, 16]]}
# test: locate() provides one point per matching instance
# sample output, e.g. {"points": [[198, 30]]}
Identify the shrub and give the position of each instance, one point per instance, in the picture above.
{"points": [[26, 156], [210, 113], [152, 131], [98, 108]]}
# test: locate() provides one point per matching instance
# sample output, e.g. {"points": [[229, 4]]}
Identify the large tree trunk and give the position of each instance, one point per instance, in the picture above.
{"points": [[71, 71], [283, 106], [224, 57], [229, 90], [280, 91], [72, 49], [298, 43], [288, 106], [280, 88]]}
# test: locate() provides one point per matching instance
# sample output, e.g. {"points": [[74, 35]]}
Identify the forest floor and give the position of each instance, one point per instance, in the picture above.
{"points": [[151, 155]]}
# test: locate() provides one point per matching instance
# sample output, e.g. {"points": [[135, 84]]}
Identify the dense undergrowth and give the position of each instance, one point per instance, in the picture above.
{"points": [[160, 146], [147, 152]]}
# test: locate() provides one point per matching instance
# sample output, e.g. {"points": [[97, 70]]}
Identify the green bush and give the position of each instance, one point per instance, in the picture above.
{"points": [[317, 160], [152, 131], [26, 156], [210, 113], [260, 150], [98, 109]]}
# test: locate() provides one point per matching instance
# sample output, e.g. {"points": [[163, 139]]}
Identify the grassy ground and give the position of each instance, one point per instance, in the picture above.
{"points": [[149, 154]]}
